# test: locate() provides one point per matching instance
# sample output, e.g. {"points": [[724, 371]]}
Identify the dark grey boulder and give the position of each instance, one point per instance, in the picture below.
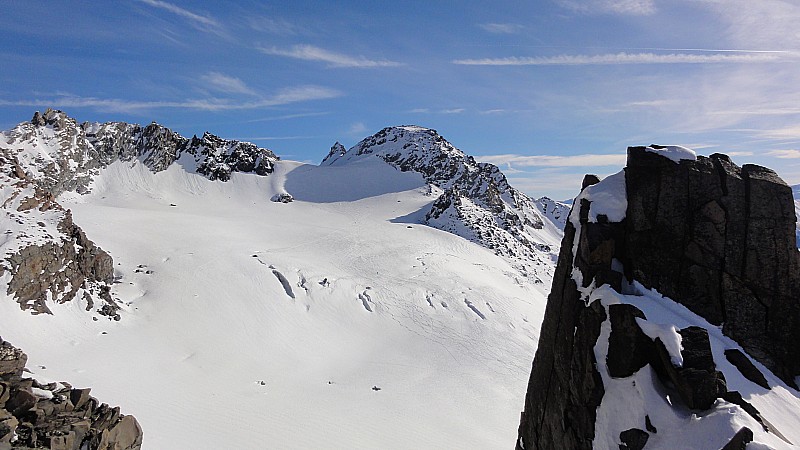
{"points": [[629, 349], [633, 439]]}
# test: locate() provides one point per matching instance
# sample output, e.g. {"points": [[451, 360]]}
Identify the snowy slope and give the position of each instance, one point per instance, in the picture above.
{"points": [[473, 200], [247, 323]]}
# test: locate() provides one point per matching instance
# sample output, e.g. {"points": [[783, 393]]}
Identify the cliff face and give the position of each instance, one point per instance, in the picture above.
{"points": [[702, 232], [719, 240]]}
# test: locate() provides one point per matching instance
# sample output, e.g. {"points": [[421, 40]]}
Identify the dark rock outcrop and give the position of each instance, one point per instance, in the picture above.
{"points": [[629, 349], [76, 152], [746, 367], [715, 237], [697, 381], [48, 256], [720, 240], [565, 387], [55, 415], [740, 440], [633, 439]]}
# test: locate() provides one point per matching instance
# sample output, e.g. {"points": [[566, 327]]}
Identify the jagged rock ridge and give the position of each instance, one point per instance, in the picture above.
{"points": [[56, 415], [48, 257], [63, 155], [703, 232], [474, 200]]}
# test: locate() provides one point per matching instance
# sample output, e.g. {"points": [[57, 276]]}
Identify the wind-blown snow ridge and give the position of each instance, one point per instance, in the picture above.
{"points": [[474, 201]]}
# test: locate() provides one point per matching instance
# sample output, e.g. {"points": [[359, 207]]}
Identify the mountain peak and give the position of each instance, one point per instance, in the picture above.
{"points": [[400, 142], [475, 200], [51, 116]]}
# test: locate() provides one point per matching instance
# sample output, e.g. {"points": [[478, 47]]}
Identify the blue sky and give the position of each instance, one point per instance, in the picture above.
{"points": [[548, 90]]}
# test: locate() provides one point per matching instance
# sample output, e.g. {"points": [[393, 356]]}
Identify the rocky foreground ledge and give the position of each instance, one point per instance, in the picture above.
{"points": [[56, 415], [674, 315]]}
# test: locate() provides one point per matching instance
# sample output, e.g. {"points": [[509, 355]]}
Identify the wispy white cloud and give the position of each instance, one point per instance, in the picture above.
{"points": [[623, 7], [627, 58], [175, 9], [739, 153], [784, 154], [290, 116], [437, 111], [276, 26], [282, 97], [357, 128], [502, 28], [312, 53], [510, 160], [746, 21], [225, 83], [788, 132], [277, 138]]}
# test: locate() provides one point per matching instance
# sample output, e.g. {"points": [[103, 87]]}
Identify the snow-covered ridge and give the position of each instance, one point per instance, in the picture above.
{"points": [[63, 155], [474, 201]]}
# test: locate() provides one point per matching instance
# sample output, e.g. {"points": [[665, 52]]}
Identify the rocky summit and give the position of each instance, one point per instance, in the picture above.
{"points": [[474, 199], [673, 319]]}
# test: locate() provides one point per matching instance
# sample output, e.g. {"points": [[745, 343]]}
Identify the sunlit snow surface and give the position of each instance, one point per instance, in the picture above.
{"points": [[215, 350], [674, 152], [628, 400]]}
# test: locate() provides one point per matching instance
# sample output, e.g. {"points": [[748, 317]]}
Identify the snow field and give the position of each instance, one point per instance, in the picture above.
{"points": [[444, 327]]}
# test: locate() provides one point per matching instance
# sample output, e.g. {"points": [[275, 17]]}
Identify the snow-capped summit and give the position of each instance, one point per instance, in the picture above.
{"points": [[63, 155], [474, 200]]}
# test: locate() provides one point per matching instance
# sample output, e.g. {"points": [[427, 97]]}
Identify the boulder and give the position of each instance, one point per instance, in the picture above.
{"points": [[633, 439]]}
